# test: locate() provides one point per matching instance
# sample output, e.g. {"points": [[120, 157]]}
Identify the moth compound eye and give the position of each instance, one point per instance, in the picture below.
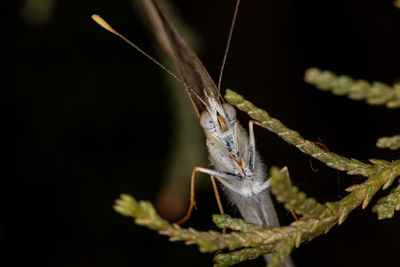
{"points": [[206, 121], [229, 111]]}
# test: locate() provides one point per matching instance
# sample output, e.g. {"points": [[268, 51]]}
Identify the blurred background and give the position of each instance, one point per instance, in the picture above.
{"points": [[84, 117]]}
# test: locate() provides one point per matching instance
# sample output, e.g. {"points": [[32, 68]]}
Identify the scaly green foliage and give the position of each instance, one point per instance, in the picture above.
{"points": [[377, 93], [232, 258], [392, 143], [143, 212], [254, 240], [387, 205]]}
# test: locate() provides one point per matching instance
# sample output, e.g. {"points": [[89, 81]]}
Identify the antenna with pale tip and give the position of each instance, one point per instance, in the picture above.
{"points": [[99, 20]]}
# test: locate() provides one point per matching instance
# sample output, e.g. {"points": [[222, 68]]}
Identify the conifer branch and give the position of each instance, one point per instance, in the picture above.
{"points": [[392, 143], [234, 257], [254, 240], [143, 212], [387, 205], [227, 222], [377, 93]]}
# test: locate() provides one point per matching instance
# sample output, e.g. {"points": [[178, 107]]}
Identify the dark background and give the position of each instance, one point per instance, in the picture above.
{"points": [[84, 118]]}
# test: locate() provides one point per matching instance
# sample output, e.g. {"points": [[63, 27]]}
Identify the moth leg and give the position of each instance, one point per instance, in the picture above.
{"points": [[252, 143], [221, 176], [285, 170], [219, 203], [217, 197]]}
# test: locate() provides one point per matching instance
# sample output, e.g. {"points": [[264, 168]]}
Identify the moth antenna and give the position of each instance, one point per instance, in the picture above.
{"points": [[228, 43], [99, 20]]}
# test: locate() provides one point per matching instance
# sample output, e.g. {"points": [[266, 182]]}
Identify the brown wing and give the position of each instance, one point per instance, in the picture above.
{"points": [[190, 68]]}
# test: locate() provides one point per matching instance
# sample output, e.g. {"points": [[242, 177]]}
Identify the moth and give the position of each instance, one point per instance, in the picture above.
{"points": [[232, 150]]}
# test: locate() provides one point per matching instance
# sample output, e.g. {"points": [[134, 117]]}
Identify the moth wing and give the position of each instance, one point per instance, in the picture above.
{"points": [[189, 66]]}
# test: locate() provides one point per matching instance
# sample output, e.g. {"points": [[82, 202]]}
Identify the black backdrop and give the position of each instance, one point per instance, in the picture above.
{"points": [[84, 118]]}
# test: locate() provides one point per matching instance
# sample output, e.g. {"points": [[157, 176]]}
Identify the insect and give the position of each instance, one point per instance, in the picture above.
{"points": [[232, 151]]}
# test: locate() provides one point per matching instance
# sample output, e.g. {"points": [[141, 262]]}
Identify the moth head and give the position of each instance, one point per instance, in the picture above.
{"points": [[223, 118]]}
